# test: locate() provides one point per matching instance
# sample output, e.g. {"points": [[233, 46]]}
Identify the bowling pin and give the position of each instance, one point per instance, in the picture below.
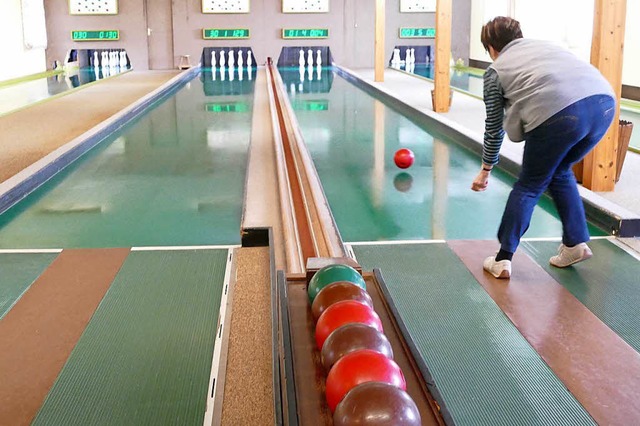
{"points": [[223, 74], [240, 73], [95, 59], [301, 72], [213, 60], [240, 60], [292, 88], [301, 58], [249, 60], [310, 71], [318, 57], [318, 72], [213, 74], [231, 59], [309, 57], [123, 59], [413, 55], [407, 56], [250, 73], [222, 60], [395, 58]]}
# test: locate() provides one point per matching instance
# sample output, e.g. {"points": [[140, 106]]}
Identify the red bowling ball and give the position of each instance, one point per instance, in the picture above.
{"points": [[361, 367], [342, 313], [404, 158]]}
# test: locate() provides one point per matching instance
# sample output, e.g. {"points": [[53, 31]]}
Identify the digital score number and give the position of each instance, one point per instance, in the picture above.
{"points": [[292, 33], [224, 33], [417, 32], [98, 35]]}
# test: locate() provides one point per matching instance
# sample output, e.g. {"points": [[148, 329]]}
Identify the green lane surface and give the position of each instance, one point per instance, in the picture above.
{"points": [[145, 357], [485, 370], [173, 177], [370, 197], [17, 272], [608, 284]]}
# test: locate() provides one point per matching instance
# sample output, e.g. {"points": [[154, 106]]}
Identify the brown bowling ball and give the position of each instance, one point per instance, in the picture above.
{"points": [[376, 404], [353, 337], [337, 292]]}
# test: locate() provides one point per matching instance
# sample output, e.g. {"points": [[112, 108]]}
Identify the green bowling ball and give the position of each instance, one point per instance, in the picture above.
{"points": [[331, 274]]}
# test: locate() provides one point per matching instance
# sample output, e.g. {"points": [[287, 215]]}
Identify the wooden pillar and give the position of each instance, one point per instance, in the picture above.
{"points": [[599, 166], [379, 41], [442, 91]]}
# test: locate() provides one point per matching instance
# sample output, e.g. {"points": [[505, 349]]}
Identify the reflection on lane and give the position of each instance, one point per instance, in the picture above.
{"points": [[173, 177], [352, 138], [20, 95]]}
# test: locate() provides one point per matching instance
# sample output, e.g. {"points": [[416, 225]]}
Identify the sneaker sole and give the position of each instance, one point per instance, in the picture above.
{"points": [[503, 275]]}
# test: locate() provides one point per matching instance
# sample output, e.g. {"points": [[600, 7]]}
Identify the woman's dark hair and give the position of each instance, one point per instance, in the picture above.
{"points": [[499, 32]]}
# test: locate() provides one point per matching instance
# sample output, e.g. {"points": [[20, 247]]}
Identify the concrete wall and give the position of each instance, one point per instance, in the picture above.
{"points": [[130, 20], [350, 24], [17, 59]]}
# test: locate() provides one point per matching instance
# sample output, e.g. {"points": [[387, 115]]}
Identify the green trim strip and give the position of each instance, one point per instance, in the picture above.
{"points": [[145, 357], [485, 370], [30, 77], [19, 271], [469, 70], [630, 105], [607, 284]]}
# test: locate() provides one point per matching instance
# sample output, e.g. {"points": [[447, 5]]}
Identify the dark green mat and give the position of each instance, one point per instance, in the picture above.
{"points": [[486, 372], [608, 284], [145, 357], [17, 272]]}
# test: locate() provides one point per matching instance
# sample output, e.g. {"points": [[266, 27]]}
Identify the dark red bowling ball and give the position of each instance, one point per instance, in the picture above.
{"points": [[342, 313], [350, 338], [404, 158], [337, 292], [377, 404], [357, 368]]}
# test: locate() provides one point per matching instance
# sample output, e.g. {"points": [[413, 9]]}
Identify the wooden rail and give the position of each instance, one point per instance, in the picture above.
{"points": [[317, 233]]}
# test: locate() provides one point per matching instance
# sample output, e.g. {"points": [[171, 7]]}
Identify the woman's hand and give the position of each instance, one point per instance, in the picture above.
{"points": [[481, 181]]}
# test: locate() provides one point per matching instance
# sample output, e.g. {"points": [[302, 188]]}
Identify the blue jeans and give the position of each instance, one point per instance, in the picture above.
{"points": [[550, 151]]}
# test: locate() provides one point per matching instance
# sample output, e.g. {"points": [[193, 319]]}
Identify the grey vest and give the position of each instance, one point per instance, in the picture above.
{"points": [[540, 79]]}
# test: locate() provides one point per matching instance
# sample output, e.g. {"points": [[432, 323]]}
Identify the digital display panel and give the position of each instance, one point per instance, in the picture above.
{"points": [[289, 33], [95, 35], [224, 33], [226, 107], [417, 32]]}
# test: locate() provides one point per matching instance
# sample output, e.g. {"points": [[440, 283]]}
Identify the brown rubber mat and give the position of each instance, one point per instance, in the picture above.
{"points": [[41, 330], [599, 368]]}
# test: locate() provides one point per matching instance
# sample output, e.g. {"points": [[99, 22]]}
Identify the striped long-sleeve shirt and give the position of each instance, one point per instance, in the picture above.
{"points": [[493, 131]]}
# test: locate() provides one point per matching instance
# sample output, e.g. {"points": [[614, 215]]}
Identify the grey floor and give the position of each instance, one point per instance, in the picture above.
{"points": [[467, 114]]}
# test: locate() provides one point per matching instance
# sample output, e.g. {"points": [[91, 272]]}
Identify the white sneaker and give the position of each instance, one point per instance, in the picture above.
{"points": [[499, 269], [569, 255]]}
